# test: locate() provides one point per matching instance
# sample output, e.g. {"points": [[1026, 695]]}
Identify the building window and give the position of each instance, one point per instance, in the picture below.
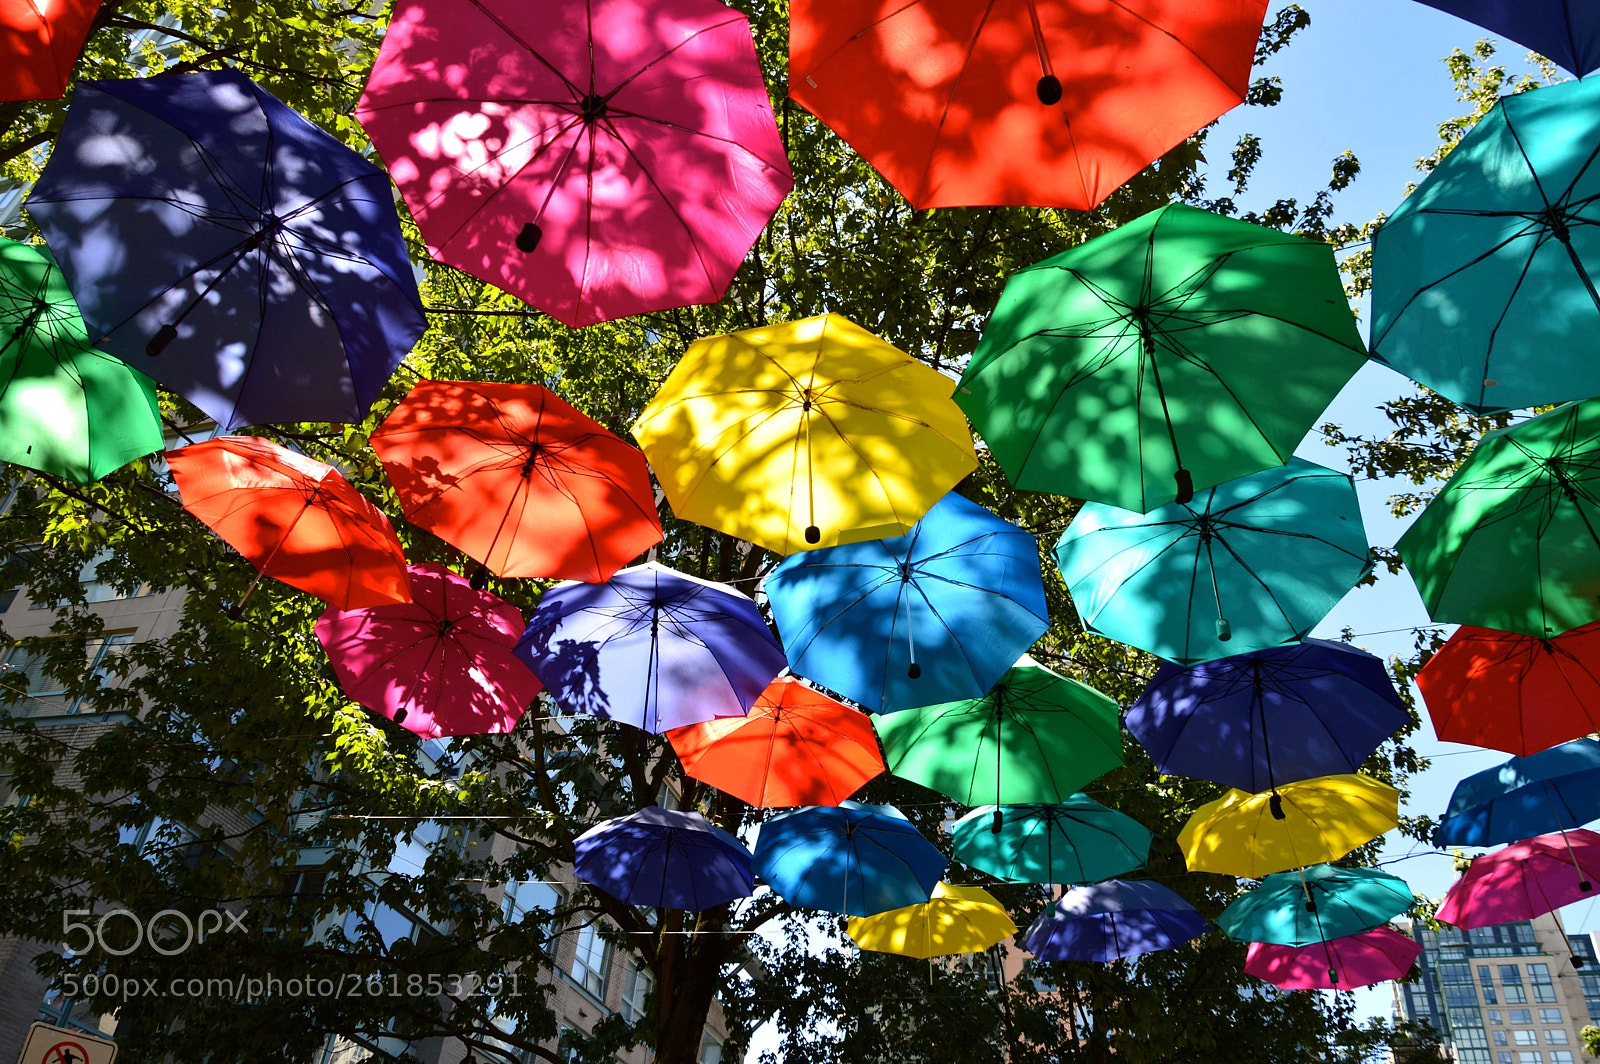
{"points": [[42, 695], [1525, 1038], [1549, 1015], [1486, 981], [1500, 1038], [1560, 1056], [1460, 996], [1543, 989], [1472, 1036], [539, 899], [591, 962], [1472, 1056], [634, 994], [1454, 974], [1556, 1036], [1520, 1016], [94, 588], [1503, 1058], [1530, 1058], [1494, 1015], [710, 1048]]}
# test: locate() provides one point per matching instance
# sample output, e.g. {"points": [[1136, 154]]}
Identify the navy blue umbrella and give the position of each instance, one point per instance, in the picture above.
{"points": [[1255, 721], [1112, 920], [1564, 31], [222, 244], [851, 858], [664, 858], [1553, 790]]}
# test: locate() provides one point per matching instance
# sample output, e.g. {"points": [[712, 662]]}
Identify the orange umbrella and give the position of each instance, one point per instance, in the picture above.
{"points": [[519, 480], [797, 746], [294, 519], [1042, 103]]}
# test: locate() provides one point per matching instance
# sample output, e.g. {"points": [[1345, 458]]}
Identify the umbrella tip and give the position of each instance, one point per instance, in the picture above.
{"points": [[400, 715], [1224, 630], [1585, 886], [1577, 961], [480, 578], [1049, 90], [914, 671], [813, 534], [158, 343], [1185, 481], [1333, 976], [999, 822], [1275, 803], [235, 612], [528, 239]]}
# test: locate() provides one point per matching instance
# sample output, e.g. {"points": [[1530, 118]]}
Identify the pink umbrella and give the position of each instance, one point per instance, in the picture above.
{"points": [[1524, 880], [441, 665], [597, 158], [1337, 964]]}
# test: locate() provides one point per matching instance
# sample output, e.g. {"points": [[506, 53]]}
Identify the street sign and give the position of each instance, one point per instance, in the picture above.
{"points": [[57, 1045]]}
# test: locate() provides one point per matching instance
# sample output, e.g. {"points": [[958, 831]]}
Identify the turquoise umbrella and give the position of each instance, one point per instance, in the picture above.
{"points": [[1250, 564], [1076, 841], [1315, 904]]}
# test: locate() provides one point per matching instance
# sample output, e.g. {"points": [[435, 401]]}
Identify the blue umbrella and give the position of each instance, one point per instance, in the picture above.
{"points": [[1567, 32], [664, 858], [936, 615], [1553, 790], [652, 648], [224, 245], [1274, 716], [855, 859], [1111, 921]]}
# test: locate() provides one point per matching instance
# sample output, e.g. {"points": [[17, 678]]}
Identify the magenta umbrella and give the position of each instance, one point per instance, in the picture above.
{"points": [[1524, 880], [597, 158], [1337, 964], [438, 666]]}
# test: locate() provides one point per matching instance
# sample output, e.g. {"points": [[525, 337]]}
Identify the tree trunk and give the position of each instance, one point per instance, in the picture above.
{"points": [[689, 973]]}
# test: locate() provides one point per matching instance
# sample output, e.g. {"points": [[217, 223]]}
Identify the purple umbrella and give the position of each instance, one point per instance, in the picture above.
{"points": [[652, 648], [666, 859], [1112, 920]]}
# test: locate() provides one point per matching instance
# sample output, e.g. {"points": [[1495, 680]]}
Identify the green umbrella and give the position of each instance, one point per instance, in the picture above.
{"points": [[65, 408], [1179, 351], [1035, 737], [1076, 841], [1511, 541], [1315, 904]]}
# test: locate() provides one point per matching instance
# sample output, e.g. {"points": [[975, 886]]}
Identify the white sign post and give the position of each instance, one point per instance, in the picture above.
{"points": [[57, 1045]]}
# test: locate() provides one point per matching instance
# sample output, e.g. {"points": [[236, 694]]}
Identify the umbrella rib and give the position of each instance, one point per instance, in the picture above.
{"points": [[672, 207], [577, 93], [938, 132], [735, 17], [1178, 41], [560, 132]]}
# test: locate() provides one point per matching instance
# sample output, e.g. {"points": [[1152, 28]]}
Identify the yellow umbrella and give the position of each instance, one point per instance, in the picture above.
{"points": [[1241, 834], [805, 435], [955, 920]]}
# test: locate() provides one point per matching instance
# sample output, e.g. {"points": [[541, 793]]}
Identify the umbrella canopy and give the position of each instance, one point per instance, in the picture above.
{"points": [[65, 408], [855, 859], [39, 46], [1035, 737], [1314, 905], [665, 859], [296, 520], [1075, 841], [441, 665], [1173, 353], [935, 615], [1048, 104], [1553, 790], [518, 479], [1565, 31], [1253, 563], [1526, 879], [652, 648], [1112, 921], [597, 158], [1513, 692], [1483, 278], [1316, 820], [1511, 540], [1256, 721], [955, 920], [804, 435], [796, 746], [1341, 964]]}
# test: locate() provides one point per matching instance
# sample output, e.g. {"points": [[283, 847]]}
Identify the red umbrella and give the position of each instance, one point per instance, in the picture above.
{"points": [[439, 666], [1337, 964], [39, 45], [1525, 880], [597, 158], [1514, 692], [294, 519], [519, 480]]}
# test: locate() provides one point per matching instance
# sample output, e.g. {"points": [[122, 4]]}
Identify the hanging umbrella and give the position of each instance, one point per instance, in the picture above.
{"points": [[1315, 904], [1038, 104], [1512, 541], [1554, 790], [518, 480], [1035, 737], [39, 45], [1566, 32], [806, 434], [1299, 824], [664, 859], [1525, 880], [597, 158], [65, 408], [932, 616], [1259, 720], [1172, 354], [1341, 964], [1250, 564], [296, 520], [855, 859], [1075, 841], [652, 648], [955, 920], [438, 666], [1483, 278], [796, 746], [223, 244], [1112, 921]]}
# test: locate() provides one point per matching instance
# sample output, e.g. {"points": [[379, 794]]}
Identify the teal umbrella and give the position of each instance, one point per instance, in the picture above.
{"points": [[1076, 841], [1315, 904], [1483, 281], [1250, 564]]}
